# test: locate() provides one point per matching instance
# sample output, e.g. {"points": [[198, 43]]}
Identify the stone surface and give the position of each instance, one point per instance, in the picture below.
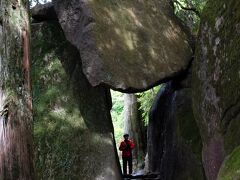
{"points": [[174, 143], [128, 45], [161, 133], [43, 12], [73, 129], [189, 144], [216, 87]]}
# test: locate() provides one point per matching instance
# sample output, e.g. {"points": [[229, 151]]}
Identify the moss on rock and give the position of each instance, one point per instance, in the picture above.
{"points": [[216, 77], [231, 166]]}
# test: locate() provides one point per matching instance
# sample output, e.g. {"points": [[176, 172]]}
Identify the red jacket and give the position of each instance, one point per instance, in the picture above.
{"points": [[126, 150]]}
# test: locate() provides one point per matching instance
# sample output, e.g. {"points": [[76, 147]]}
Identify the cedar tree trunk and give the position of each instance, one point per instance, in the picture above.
{"points": [[15, 92]]}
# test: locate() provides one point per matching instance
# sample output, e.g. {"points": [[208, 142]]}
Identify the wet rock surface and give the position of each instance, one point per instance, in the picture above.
{"points": [[174, 143]]}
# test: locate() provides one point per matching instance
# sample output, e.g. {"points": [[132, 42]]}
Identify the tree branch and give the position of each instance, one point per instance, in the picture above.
{"points": [[188, 8]]}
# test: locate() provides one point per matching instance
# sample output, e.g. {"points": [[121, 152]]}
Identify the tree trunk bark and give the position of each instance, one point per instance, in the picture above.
{"points": [[15, 92], [135, 128]]}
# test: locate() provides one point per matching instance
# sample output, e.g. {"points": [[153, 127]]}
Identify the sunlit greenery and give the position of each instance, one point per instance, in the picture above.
{"points": [[190, 17], [117, 114], [146, 100], [230, 167]]}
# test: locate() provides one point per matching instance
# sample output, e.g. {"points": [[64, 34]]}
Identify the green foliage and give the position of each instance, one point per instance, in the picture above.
{"points": [[146, 100], [231, 166], [59, 129], [117, 114], [190, 17], [56, 123]]}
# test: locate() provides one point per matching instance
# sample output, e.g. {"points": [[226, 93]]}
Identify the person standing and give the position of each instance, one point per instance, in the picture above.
{"points": [[126, 146]]}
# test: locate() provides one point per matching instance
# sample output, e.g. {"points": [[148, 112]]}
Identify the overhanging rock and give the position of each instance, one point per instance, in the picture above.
{"points": [[128, 45]]}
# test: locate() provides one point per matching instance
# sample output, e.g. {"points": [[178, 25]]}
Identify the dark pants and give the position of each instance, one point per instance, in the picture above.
{"points": [[127, 161]]}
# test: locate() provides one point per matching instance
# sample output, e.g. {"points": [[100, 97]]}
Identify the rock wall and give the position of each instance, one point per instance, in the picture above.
{"points": [[73, 129], [125, 44], [174, 142], [160, 121], [216, 87], [189, 143]]}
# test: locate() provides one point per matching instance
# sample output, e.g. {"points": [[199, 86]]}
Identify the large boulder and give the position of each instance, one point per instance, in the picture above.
{"points": [[72, 128], [216, 87], [128, 45]]}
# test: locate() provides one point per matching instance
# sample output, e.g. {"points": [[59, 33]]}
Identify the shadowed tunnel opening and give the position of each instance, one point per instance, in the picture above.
{"points": [[173, 143], [77, 58], [64, 102], [130, 116], [65, 109]]}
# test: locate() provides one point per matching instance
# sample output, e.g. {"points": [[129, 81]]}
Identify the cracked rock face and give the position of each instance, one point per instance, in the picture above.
{"points": [[216, 87], [128, 45]]}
